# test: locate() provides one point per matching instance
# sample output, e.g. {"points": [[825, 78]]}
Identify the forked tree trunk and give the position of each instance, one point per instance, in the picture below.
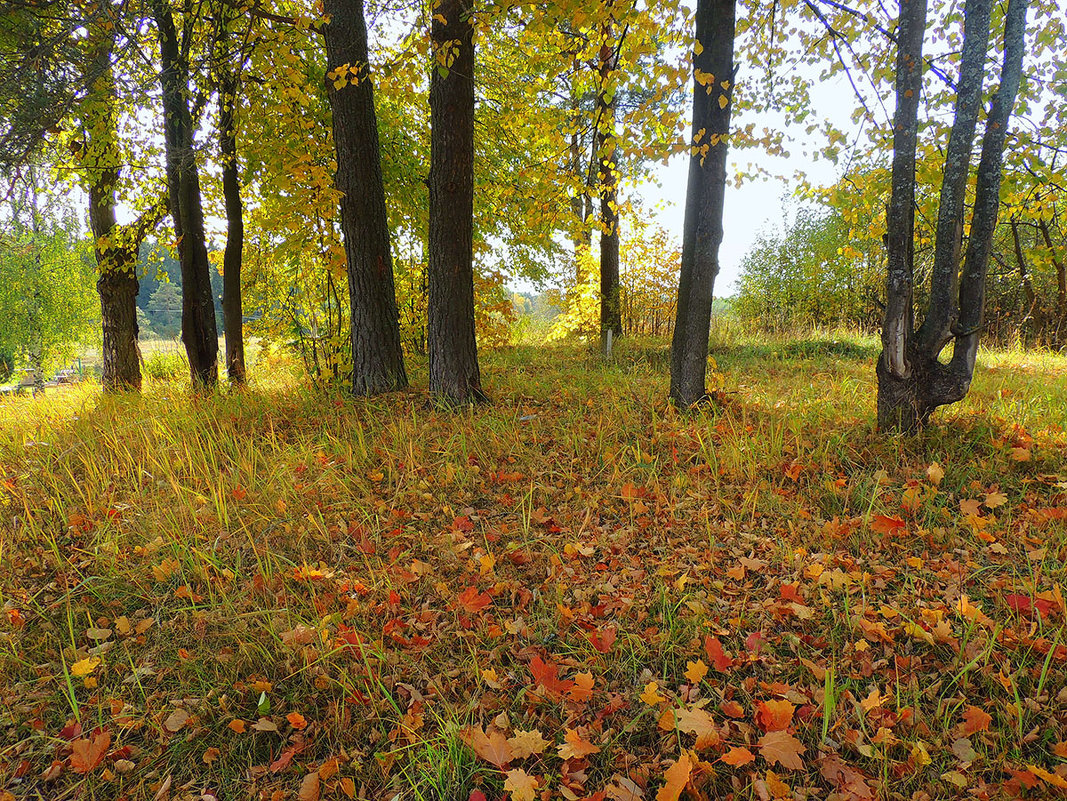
{"points": [[713, 75], [608, 180], [912, 382], [454, 373], [199, 332], [377, 355]]}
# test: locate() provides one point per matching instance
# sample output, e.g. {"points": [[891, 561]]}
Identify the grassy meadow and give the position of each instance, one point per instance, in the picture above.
{"points": [[574, 592]]}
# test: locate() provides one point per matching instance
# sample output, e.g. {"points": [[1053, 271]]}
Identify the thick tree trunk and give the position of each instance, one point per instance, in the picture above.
{"points": [[232, 307], [377, 355], [116, 251], [912, 382], [702, 231], [454, 373], [608, 181], [199, 332]]}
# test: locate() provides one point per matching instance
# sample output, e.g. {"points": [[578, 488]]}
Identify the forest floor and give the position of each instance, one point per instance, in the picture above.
{"points": [[573, 592]]}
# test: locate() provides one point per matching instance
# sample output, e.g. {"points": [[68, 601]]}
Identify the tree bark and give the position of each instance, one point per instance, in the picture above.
{"points": [[705, 195], [912, 382], [199, 332], [608, 180], [377, 355], [454, 372], [116, 255], [1061, 283], [232, 306]]}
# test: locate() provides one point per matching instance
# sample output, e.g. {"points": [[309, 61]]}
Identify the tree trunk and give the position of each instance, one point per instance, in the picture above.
{"points": [[608, 180], [702, 228], [199, 332], [454, 373], [1061, 284], [232, 307], [116, 255], [912, 382], [377, 355]]}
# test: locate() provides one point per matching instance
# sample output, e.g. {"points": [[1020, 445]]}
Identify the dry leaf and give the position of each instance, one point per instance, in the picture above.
{"points": [[675, 779], [176, 720], [86, 754], [527, 743], [782, 748], [309, 788], [521, 785], [575, 747]]}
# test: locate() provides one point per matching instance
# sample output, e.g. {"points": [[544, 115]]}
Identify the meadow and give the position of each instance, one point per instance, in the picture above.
{"points": [[573, 592]]}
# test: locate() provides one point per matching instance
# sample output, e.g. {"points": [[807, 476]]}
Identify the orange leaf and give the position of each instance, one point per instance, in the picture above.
{"points": [[238, 726], [493, 748], [782, 748], [675, 779], [737, 757], [975, 720], [87, 754], [774, 715], [575, 747], [309, 788], [296, 720], [1051, 778], [886, 525], [546, 674], [472, 600], [582, 691], [521, 785], [719, 660]]}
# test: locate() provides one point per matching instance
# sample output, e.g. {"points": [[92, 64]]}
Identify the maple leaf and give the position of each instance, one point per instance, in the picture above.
{"points": [[699, 722], [974, 721], [603, 640], [83, 667], [776, 787], [848, 781], [774, 715], [886, 525], [719, 660], [493, 748], [546, 675], [935, 473], [582, 691], [86, 754], [736, 757], [994, 500], [521, 785], [473, 601], [527, 743], [675, 779], [696, 671], [575, 747], [782, 748], [651, 695]]}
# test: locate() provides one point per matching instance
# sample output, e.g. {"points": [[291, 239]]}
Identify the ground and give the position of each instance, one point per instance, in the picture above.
{"points": [[574, 592]]}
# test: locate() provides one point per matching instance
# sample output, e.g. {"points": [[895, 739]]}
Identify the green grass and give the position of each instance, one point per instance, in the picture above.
{"points": [[307, 549]]}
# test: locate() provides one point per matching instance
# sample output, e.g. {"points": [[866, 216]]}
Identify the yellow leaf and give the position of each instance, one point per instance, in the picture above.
{"points": [[698, 48], [651, 696], [83, 667], [1051, 778], [935, 473], [696, 671], [675, 779], [724, 101], [521, 785]]}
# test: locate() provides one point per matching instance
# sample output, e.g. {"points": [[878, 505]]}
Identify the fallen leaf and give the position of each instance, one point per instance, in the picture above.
{"points": [[521, 785], [237, 725], [86, 754], [975, 720], [473, 601], [309, 788], [696, 671], [774, 715], [675, 778], [782, 748], [651, 695], [1050, 778], [527, 743], [296, 720], [83, 667], [492, 747], [699, 722], [176, 721], [719, 659], [574, 746], [736, 757]]}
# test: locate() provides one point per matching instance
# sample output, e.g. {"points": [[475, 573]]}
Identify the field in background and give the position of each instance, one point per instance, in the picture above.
{"points": [[574, 589]]}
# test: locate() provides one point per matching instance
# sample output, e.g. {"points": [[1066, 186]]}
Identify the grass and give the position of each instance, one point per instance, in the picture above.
{"points": [[297, 561]]}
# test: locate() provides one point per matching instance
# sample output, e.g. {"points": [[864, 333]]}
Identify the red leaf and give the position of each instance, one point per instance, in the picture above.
{"points": [[546, 674], [717, 655], [472, 600], [1020, 603], [603, 640], [886, 525]]}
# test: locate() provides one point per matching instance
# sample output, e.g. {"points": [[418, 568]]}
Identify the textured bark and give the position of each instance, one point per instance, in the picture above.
{"points": [[116, 251], [702, 228], [199, 332], [232, 306], [454, 373], [608, 181], [936, 331], [912, 382], [377, 355]]}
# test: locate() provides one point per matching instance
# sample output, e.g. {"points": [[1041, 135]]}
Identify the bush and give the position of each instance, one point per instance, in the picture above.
{"points": [[166, 365], [7, 365]]}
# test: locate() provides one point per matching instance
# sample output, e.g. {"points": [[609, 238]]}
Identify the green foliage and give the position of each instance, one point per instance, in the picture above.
{"points": [[166, 365], [811, 274], [48, 300]]}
